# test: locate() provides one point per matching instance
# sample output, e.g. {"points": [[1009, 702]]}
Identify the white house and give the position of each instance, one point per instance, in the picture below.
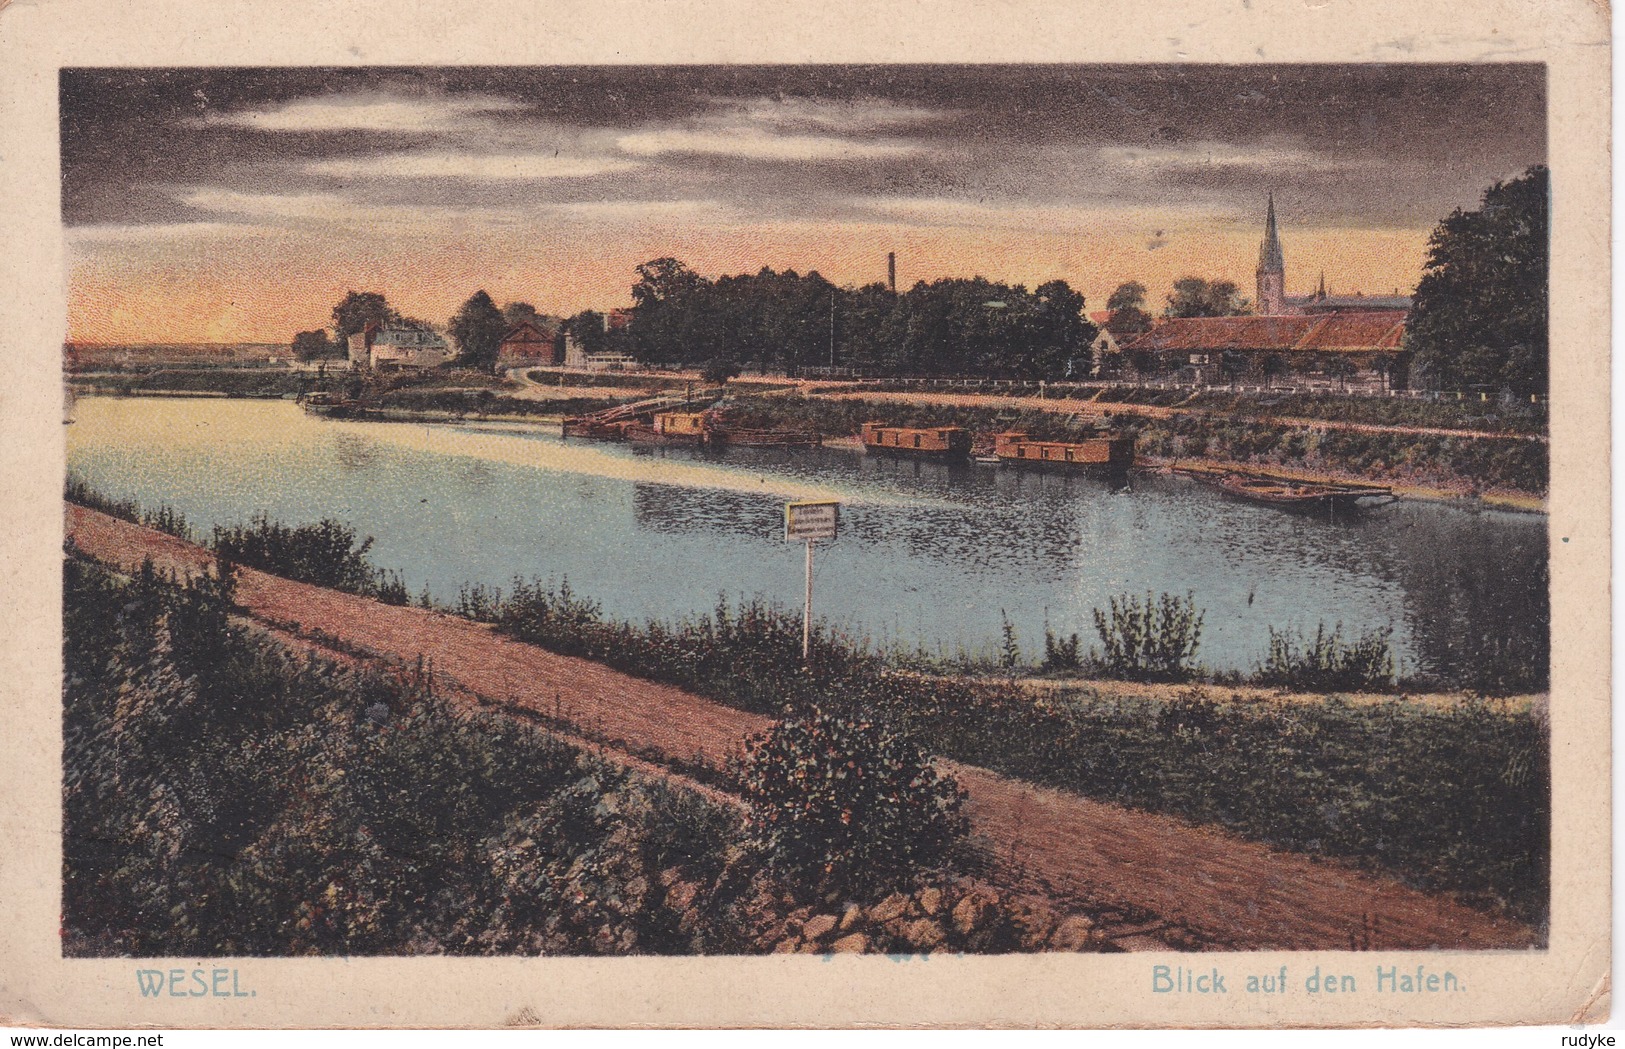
{"points": [[395, 349]]}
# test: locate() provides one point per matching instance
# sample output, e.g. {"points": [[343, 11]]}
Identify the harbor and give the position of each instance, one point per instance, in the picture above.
{"points": [[934, 556]]}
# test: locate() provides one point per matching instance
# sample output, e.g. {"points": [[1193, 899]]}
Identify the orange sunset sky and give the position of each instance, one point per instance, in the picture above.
{"points": [[229, 205]]}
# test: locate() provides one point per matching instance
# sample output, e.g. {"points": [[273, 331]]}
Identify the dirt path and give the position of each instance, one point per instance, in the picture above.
{"points": [[1074, 406], [1228, 891]]}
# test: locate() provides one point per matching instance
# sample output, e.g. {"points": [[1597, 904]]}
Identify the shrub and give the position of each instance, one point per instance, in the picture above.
{"points": [[1009, 650], [1060, 653], [847, 804], [1154, 640], [1327, 661], [325, 554], [164, 519]]}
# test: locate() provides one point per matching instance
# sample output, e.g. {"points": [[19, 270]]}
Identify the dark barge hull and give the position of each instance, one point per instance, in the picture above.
{"points": [[640, 433], [767, 438], [949, 455], [595, 430]]}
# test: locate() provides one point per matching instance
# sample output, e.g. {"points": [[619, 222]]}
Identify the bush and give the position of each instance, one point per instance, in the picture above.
{"points": [[1151, 641], [224, 796], [324, 554], [1060, 651], [165, 519], [1327, 662], [847, 804]]}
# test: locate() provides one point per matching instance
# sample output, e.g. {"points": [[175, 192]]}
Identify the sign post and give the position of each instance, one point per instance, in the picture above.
{"points": [[810, 521]]}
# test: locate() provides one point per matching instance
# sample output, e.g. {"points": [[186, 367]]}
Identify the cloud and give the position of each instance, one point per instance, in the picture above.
{"points": [[1092, 218], [755, 144], [138, 232], [471, 167], [365, 111], [1219, 156], [643, 211], [327, 210], [846, 116], [264, 205]]}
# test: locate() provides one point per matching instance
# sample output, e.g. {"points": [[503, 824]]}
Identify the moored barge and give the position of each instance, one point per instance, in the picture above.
{"points": [[928, 442], [692, 429], [767, 438], [1107, 453]]}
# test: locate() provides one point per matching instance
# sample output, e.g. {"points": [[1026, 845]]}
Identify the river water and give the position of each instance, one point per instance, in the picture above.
{"points": [[929, 556]]}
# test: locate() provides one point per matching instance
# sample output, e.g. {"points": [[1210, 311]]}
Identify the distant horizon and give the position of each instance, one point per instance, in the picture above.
{"points": [[238, 206]]}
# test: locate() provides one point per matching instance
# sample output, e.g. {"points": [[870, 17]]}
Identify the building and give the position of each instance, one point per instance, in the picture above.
{"points": [[1336, 337], [527, 344], [1271, 273], [1228, 349], [1273, 301], [382, 348], [1106, 351]]}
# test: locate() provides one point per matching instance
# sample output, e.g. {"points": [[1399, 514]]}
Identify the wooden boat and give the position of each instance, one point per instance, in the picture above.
{"points": [[595, 429], [932, 442], [692, 429], [1106, 453], [1289, 494], [1300, 495]]}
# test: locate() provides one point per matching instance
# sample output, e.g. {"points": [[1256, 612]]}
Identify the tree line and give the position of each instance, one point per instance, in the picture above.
{"points": [[791, 321], [1479, 316]]}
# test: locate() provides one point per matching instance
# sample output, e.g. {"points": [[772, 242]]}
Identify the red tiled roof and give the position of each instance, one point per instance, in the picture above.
{"points": [[1323, 333], [1356, 331], [1101, 317]]}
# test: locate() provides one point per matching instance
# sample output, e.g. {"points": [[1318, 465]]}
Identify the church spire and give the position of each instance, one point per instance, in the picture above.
{"points": [[1270, 259], [1271, 269], [1321, 293]]}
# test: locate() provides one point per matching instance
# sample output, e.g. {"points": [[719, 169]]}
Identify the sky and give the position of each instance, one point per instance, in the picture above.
{"points": [[226, 205]]}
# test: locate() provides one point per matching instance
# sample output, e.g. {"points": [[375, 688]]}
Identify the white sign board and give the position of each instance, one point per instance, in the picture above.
{"points": [[811, 520]]}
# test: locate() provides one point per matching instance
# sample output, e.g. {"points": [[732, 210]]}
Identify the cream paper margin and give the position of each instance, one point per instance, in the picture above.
{"points": [[1565, 983]]}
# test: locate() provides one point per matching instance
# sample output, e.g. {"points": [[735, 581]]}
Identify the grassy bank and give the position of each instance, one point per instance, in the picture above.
{"points": [[1453, 799], [223, 795], [218, 381], [1420, 460]]}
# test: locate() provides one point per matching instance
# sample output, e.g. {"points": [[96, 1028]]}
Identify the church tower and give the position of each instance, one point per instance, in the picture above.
{"points": [[1271, 269]]}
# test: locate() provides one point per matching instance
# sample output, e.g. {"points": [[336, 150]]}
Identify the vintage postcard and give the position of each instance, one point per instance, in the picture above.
{"points": [[1047, 516]]}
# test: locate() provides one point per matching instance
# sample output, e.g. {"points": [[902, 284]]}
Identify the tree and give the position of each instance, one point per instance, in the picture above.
{"points": [[359, 309], [1480, 311], [1127, 306], [667, 304], [587, 329], [311, 345], [1145, 362], [523, 313], [477, 331], [1196, 297], [718, 370], [1340, 368]]}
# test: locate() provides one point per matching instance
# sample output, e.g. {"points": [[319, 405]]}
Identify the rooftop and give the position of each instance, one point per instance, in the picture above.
{"points": [[1328, 332]]}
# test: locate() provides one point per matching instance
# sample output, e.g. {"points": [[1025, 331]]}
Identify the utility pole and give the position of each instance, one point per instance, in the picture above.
{"points": [[832, 327]]}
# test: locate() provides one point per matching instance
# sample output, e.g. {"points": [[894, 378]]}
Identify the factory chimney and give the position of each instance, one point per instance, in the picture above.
{"points": [[891, 271]]}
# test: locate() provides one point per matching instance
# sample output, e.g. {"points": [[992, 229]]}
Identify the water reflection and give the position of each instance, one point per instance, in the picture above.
{"points": [[930, 555]]}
